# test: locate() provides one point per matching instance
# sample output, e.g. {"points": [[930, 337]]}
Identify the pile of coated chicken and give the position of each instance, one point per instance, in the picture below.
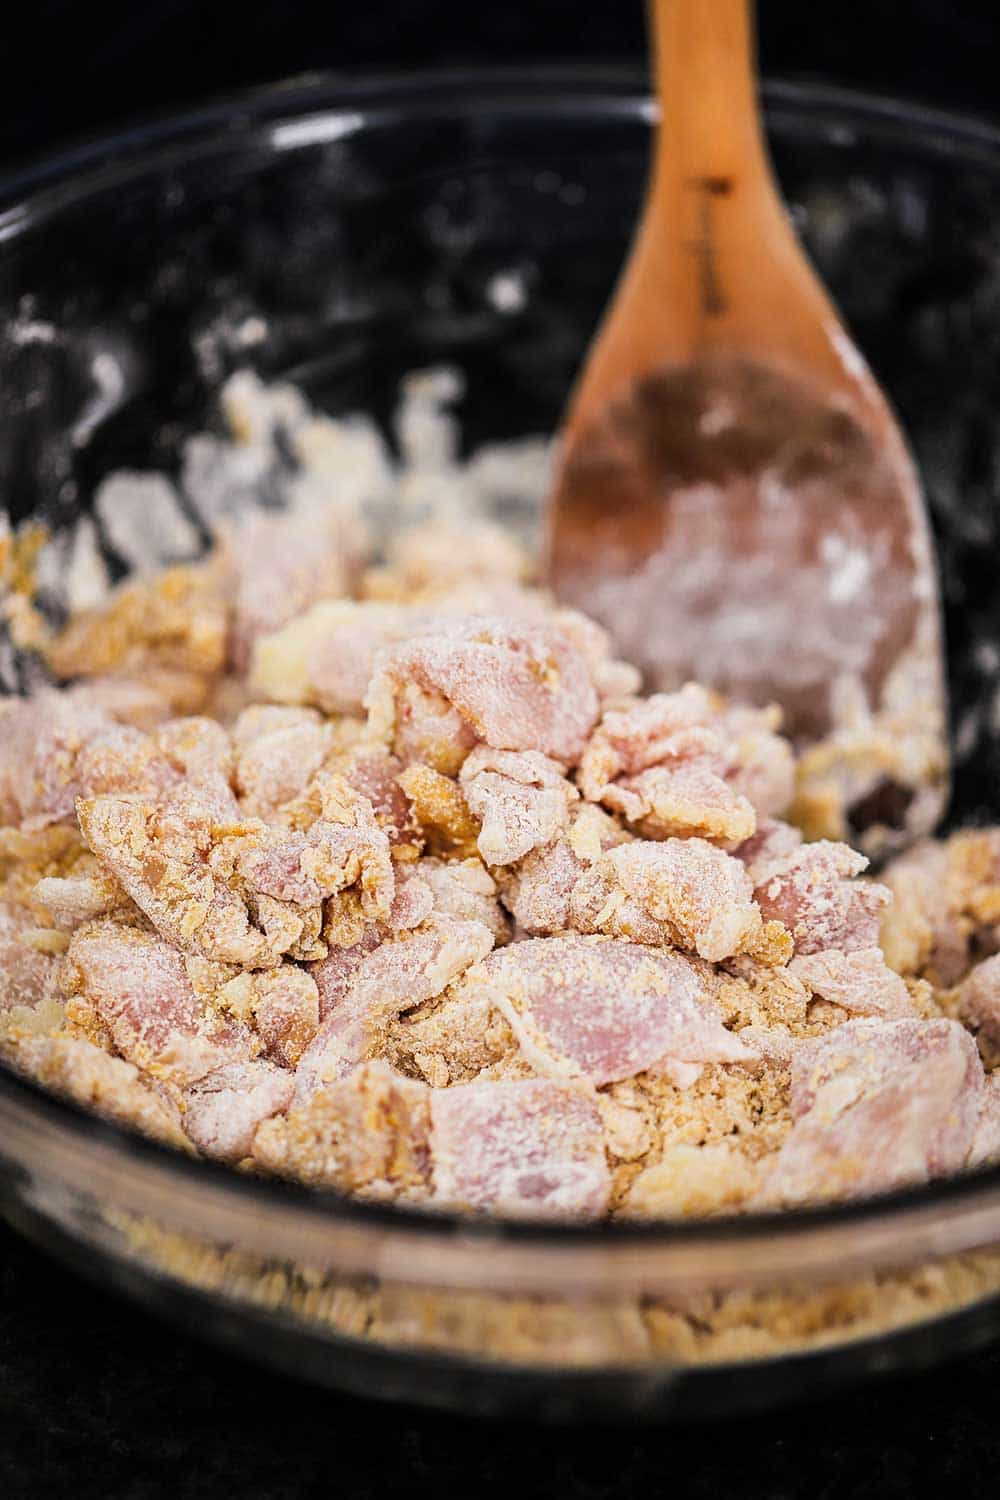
{"points": [[384, 876]]}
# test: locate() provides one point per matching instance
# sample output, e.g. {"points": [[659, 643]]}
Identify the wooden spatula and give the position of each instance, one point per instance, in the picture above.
{"points": [[734, 498]]}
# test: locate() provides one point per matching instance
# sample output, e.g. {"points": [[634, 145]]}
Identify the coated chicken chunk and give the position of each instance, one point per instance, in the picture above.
{"points": [[603, 1009], [531, 1149], [138, 988], [482, 679], [878, 1105], [236, 889]]}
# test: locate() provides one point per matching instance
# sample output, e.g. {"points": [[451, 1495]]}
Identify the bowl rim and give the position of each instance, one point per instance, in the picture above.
{"points": [[79, 163], [61, 1141]]}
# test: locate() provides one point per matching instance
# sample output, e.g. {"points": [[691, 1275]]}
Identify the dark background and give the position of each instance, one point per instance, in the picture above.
{"points": [[97, 1401], [70, 67]]}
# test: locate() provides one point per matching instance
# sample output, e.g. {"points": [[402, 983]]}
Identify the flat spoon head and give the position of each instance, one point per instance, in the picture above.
{"points": [[734, 500]]}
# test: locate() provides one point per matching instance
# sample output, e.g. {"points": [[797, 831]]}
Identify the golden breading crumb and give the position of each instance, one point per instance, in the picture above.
{"points": [[441, 813], [81, 1017], [696, 1330], [177, 621], [23, 1021], [927, 1002], [974, 874], [751, 993], [28, 857], [692, 1181], [367, 1133], [772, 945], [748, 1110], [629, 1121], [452, 1040]]}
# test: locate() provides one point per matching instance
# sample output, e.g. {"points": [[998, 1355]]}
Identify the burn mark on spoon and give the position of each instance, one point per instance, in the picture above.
{"points": [[704, 247]]}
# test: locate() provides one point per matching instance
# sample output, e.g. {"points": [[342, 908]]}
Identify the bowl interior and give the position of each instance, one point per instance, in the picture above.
{"points": [[342, 236]]}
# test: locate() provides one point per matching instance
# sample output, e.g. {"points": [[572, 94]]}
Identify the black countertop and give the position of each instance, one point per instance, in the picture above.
{"points": [[100, 1402]]}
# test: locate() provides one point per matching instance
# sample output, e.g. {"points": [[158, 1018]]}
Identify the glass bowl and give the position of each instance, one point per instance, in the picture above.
{"points": [[339, 234]]}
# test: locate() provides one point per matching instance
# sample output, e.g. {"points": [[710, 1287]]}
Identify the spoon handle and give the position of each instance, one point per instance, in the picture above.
{"points": [[705, 73]]}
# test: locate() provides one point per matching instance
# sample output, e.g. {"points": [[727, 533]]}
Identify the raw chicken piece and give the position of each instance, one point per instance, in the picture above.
{"points": [[684, 763], [702, 895], [603, 1009], [142, 701], [56, 747], [376, 776], [302, 869], [760, 764], [667, 728], [690, 800], [412, 903], [439, 555], [125, 761], [511, 685], [41, 743], [539, 892], [769, 845], [282, 1004], [223, 1110], [335, 974], [463, 889], [878, 1105], [986, 1141], [522, 798], [111, 1087], [139, 988], [158, 853], [365, 1133], [861, 982], [342, 821], [614, 680], [278, 750], [978, 1006], [814, 893], [198, 748], [285, 563], [326, 656], [531, 1149], [122, 760], [363, 990]]}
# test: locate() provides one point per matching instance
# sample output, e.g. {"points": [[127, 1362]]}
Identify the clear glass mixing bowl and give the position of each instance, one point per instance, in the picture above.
{"points": [[341, 233]]}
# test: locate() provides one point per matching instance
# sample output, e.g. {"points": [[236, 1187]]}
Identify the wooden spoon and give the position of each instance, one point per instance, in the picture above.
{"points": [[734, 498]]}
